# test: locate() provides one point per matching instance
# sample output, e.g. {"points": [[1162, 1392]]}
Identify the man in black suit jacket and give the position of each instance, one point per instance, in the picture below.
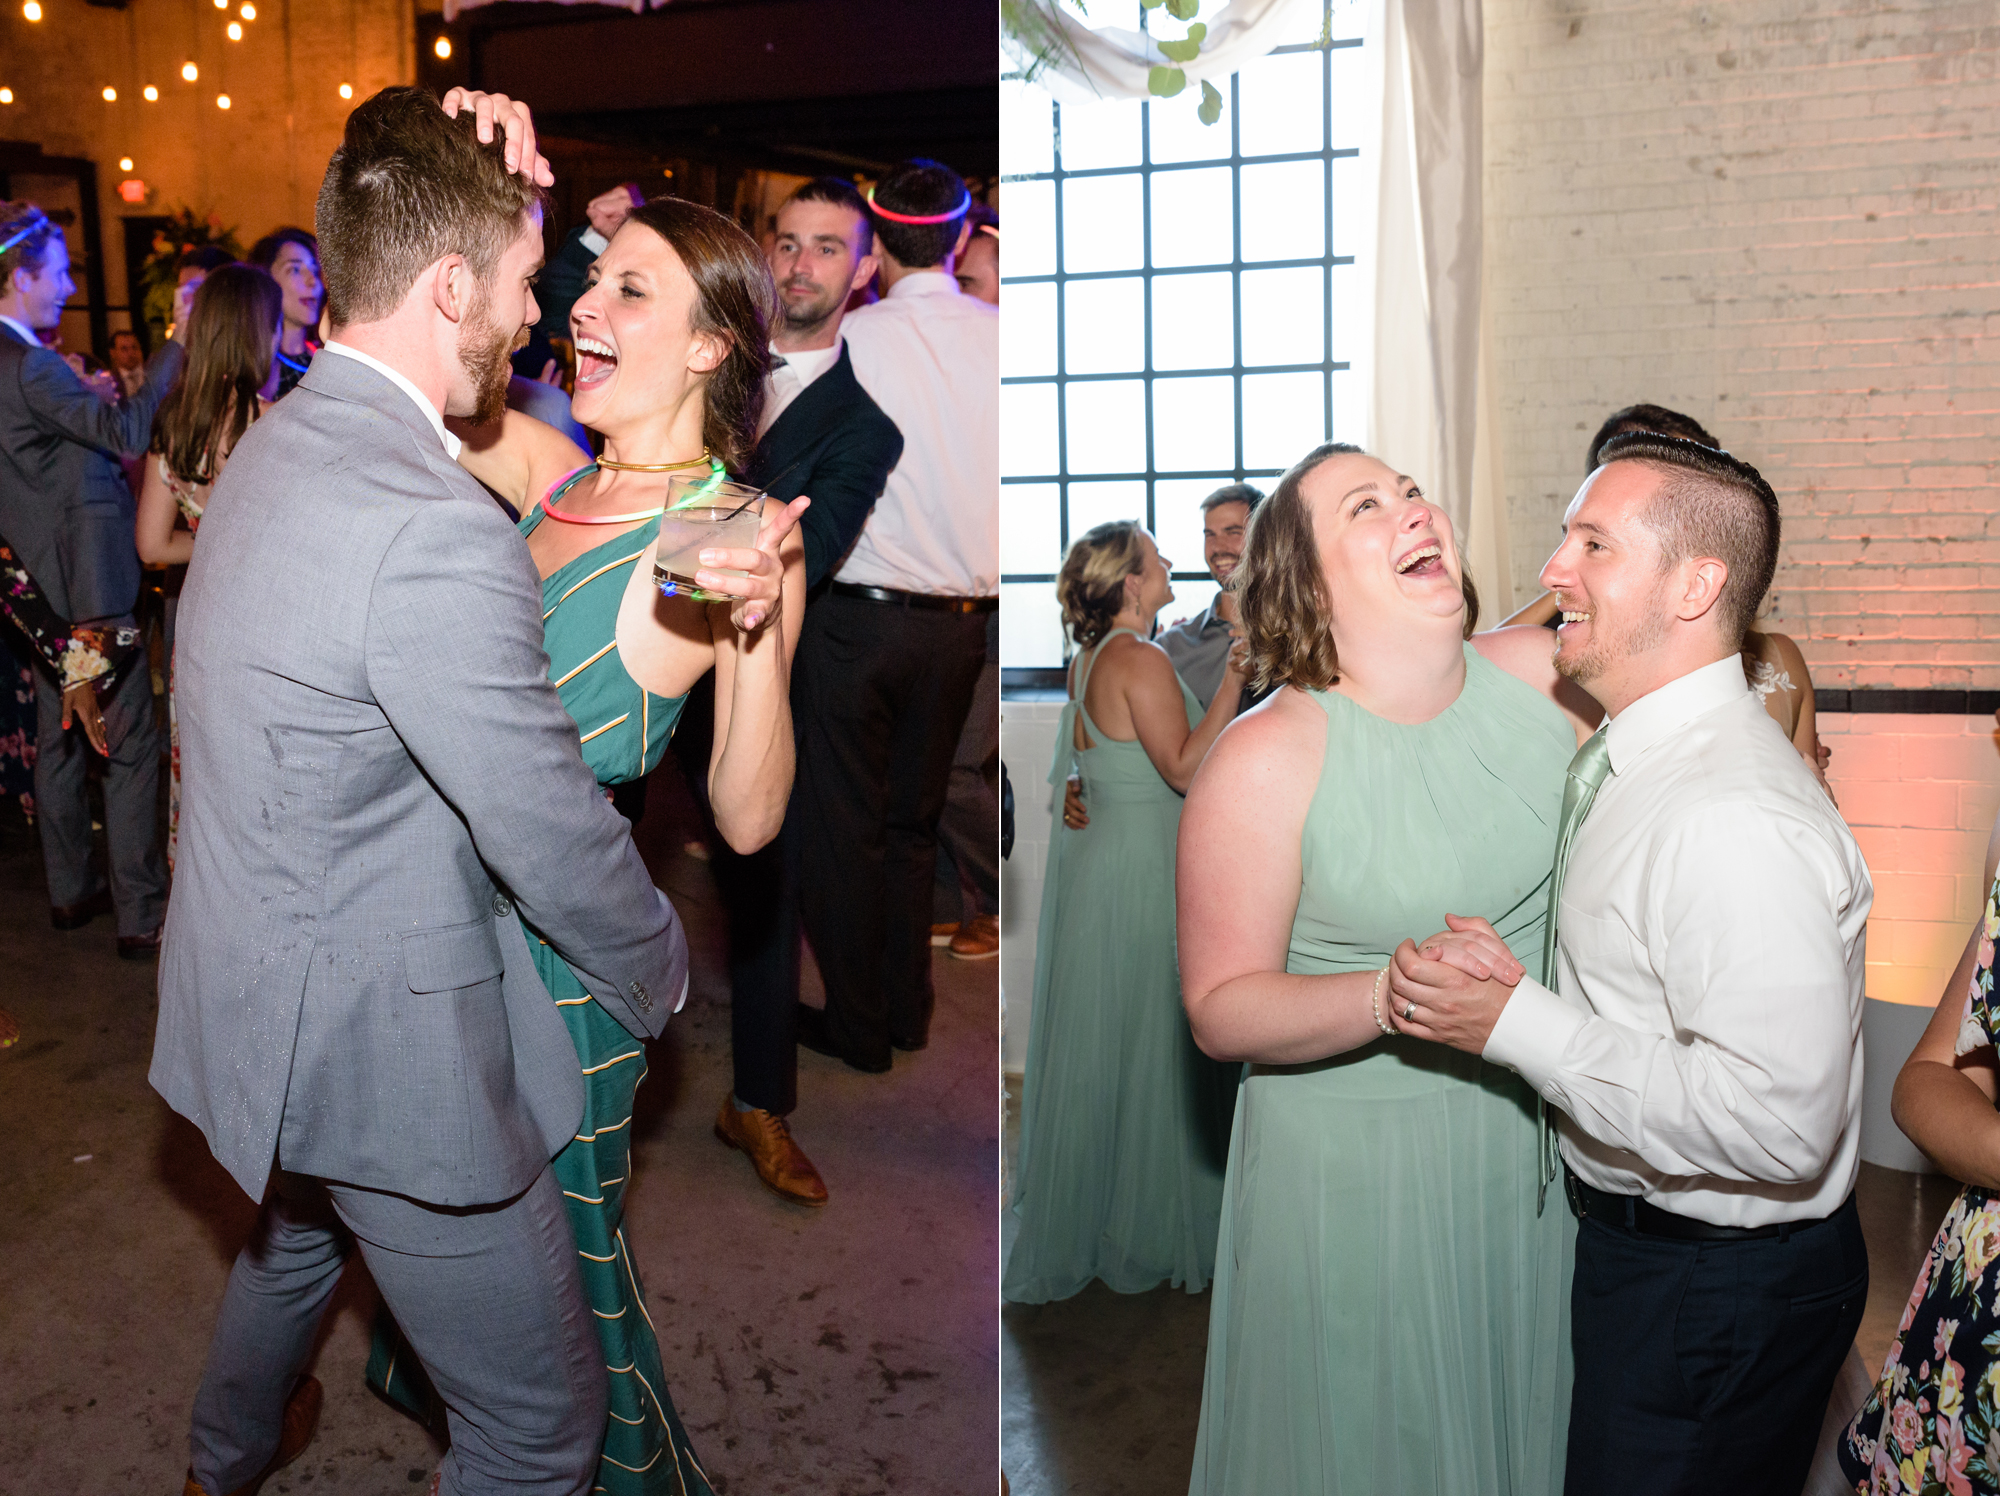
{"points": [[66, 509], [826, 438]]}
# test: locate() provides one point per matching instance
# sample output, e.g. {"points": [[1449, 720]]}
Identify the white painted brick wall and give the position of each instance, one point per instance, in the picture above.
{"points": [[1027, 746], [1921, 794], [1779, 217]]}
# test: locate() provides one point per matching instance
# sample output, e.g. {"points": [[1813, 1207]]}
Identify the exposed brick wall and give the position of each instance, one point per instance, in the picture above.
{"points": [[1778, 216]]}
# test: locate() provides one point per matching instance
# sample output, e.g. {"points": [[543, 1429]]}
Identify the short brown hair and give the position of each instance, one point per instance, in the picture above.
{"points": [[1091, 585], [840, 194], [733, 300], [1643, 417], [408, 186], [30, 229], [1711, 504], [1287, 616]]}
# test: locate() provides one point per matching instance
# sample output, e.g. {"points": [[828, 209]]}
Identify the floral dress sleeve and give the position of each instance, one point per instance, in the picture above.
{"points": [[76, 654], [1980, 1026]]}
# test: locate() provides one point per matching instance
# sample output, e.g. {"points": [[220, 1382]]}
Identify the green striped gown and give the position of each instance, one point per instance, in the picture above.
{"points": [[624, 731]]}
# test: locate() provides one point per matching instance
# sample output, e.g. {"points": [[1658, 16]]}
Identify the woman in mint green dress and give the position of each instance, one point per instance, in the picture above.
{"points": [[675, 314], [1124, 1123], [1390, 1312]]}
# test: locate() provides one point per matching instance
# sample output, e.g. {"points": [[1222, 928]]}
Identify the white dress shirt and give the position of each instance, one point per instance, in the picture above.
{"points": [[1705, 1050], [788, 380], [27, 333], [929, 355], [403, 383]]}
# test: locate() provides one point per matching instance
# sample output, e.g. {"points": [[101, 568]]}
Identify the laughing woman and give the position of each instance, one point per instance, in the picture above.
{"points": [[672, 340]]}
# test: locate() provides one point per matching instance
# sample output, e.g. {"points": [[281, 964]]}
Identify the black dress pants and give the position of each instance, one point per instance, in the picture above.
{"points": [[1706, 1366], [880, 692], [760, 897]]}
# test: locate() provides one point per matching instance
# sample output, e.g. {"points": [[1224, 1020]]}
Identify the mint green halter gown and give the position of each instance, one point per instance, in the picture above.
{"points": [[1390, 1315], [624, 730], [1124, 1123]]}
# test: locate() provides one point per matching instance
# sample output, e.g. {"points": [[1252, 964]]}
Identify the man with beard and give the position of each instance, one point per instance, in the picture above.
{"points": [[821, 436], [376, 773], [1698, 1024], [1199, 646]]}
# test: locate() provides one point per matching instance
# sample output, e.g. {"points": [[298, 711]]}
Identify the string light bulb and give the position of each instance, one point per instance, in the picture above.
{"points": [[248, 12], [6, 95], [190, 72], [236, 31], [222, 101], [110, 95], [152, 94], [347, 90], [32, 10], [124, 163], [222, 4], [442, 46]]}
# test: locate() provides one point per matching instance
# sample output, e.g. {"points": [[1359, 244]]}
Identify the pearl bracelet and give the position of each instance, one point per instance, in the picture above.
{"points": [[1375, 1002]]}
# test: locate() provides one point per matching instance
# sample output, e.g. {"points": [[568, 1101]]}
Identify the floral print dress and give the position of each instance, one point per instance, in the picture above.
{"points": [[1931, 1427]]}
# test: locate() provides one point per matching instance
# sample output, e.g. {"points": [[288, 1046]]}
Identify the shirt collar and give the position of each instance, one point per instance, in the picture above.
{"points": [[808, 364], [402, 383], [1659, 714], [927, 282], [24, 330]]}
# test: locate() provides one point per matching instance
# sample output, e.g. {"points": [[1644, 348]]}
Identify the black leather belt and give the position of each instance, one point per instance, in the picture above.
{"points": [[1586, 1200], [931, 600]]}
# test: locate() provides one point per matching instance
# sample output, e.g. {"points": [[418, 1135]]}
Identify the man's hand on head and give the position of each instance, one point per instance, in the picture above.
{"points": [[1451, 990], [514, 121]]}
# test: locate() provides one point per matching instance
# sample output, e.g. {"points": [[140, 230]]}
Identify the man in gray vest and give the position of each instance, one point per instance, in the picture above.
{"points": [[66, 510], [376, 773]]}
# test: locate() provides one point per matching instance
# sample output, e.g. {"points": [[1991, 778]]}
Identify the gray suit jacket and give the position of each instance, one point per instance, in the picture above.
{"points": [[375, 771], [64, 503]]}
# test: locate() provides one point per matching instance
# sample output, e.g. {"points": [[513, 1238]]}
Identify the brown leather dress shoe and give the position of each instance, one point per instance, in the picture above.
{"points": [[140, 947], [301, 1420], [76, 916], [779, 1161], [978, 939]]}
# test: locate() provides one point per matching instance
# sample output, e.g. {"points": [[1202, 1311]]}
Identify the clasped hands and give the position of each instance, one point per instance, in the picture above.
{"points": [[1451, 987]]}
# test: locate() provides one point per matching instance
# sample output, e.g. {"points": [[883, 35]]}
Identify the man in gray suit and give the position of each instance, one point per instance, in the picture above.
{"points": [[65, 508], [376, 773]]}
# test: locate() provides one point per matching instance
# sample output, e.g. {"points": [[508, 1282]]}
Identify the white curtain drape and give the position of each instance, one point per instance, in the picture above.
{"points": [[1429, 392]]}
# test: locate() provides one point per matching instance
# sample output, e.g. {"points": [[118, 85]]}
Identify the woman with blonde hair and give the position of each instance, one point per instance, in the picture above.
{"points": [[1123, 1121], [1390, 1310]]}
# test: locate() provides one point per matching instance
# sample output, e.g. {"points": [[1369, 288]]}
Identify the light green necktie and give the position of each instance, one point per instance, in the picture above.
{"points": [[1586, 773]]}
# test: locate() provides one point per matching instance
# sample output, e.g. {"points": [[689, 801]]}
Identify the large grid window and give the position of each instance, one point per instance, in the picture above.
{"points": [[1180, 307]]}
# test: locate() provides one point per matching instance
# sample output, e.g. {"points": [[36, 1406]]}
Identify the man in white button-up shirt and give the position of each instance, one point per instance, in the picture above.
{"points": [[1703, 1045]]}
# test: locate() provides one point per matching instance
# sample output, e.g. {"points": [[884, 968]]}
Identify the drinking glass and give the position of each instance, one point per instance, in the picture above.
{"points": [[702, 514]]}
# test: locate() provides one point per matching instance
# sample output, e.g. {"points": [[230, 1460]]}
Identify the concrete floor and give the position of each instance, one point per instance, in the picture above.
{"points": [[844, 1352], [1102, 1391]]}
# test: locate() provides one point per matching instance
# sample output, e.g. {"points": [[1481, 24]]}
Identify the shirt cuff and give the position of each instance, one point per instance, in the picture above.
{"points": [[593, 241], [1532, 1032]]}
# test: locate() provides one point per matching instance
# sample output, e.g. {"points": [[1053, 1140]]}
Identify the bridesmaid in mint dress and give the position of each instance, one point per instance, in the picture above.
{"points": [[668, 399], [1390, 1312], [1124, 1122]]}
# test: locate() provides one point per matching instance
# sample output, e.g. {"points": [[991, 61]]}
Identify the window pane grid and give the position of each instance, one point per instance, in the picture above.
{"points": [[1086, 455]]}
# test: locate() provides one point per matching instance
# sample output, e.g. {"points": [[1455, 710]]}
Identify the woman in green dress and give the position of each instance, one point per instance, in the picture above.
{"points": [[1124, 1123], [1390, 1310], [672, 351]]}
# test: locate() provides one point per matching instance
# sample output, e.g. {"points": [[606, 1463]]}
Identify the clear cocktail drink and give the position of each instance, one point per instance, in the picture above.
{"points": [[703, 515]]}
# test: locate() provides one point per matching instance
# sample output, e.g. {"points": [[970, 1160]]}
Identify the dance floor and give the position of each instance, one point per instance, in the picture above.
{"points": [[1103, 1390], [843, 1352]]}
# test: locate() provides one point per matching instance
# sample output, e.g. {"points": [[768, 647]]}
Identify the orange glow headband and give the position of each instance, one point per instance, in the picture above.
{"points": [[964, 205]]}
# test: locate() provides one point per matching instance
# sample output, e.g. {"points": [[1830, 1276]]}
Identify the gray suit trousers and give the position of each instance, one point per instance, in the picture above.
{"points": [[131, 800], [488, 1295]]}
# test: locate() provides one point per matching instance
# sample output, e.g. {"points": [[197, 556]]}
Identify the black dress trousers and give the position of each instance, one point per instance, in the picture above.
{"points": [[1705, 1366], [880, 691]]}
